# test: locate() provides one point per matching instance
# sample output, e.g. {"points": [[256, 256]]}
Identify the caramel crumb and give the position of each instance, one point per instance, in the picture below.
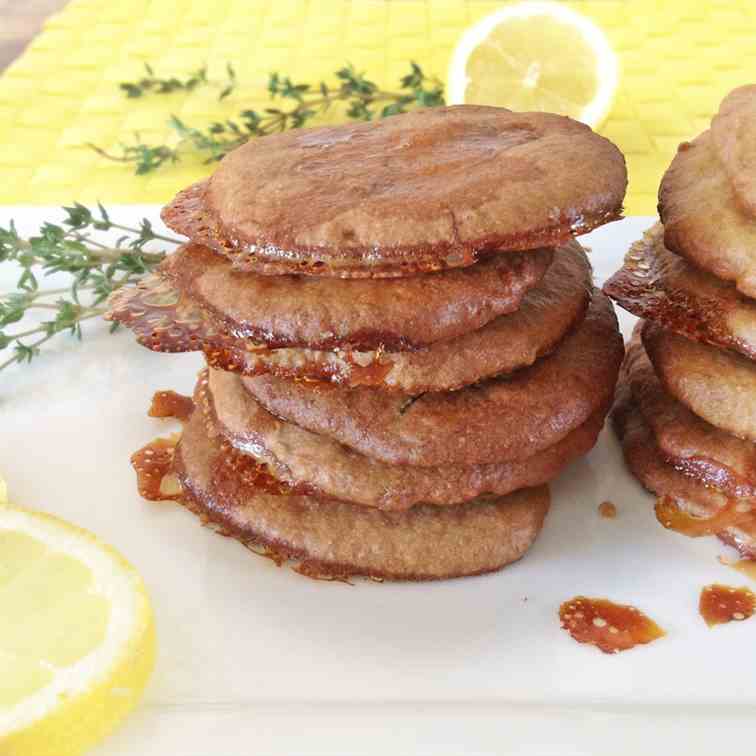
{"points": [[609, 626], [720, 604], [607, 510], [153, 465], [171, 404]]}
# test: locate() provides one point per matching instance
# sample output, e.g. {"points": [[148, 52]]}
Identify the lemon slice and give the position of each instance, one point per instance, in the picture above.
{"points": [[77, 638], [536, 56]]}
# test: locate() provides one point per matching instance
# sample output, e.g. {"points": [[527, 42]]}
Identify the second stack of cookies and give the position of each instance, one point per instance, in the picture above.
{"points": [[687, 396]]}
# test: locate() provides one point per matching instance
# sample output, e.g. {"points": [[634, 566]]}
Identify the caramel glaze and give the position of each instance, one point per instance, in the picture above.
{"points": [[153, 465], [171, 404], [607, 510], [721, 603], [159, 475], [672, 517], [608, 626], [233, 360]]}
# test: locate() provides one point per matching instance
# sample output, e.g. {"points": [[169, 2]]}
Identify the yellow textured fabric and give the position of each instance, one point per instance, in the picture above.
{"points": [[678, 59]]}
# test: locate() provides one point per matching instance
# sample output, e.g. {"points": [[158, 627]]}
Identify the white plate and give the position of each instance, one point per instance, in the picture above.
{"points": [[257, 660]]}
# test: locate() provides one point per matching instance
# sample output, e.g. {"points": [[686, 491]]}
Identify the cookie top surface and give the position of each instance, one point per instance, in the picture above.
{"points": [[321, 466], [658, 285], [702, 219], [336, 539], [416, 192], [498, 420], [733, 132], [717, 385], [324, 313]]}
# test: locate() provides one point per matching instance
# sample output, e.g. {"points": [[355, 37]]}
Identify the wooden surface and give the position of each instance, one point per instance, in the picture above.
{"points": [[20, 20]]}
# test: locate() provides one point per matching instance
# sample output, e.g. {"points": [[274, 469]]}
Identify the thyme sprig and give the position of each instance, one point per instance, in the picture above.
{"points": [[363, 98], [97, 269], [152, 83]]}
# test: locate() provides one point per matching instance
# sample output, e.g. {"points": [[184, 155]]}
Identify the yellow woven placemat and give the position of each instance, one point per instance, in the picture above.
{"points": [[678, 59]]}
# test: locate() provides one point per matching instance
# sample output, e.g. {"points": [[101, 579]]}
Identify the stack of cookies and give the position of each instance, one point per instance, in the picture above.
{"points": [[686, 410], [402, 339]]}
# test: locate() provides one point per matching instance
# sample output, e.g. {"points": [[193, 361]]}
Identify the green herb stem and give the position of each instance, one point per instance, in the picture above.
{"points": [[363, 98], [97, 269]]}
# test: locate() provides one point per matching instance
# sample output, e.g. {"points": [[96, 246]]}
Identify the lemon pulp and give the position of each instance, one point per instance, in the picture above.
{"points": [[76, 636], [528, 73], [538, 56], [54, 617]]}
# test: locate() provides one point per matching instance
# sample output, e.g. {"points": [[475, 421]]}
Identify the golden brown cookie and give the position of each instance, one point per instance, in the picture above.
{"points": [[702, 219], [659, 285], [322, 467], [646, 463], [503, 419], [163, 318], [717, 385], [685, 441], [733, 131], [327, 313], [422, 191], [507, 343], [231, 492], [684, 504]]}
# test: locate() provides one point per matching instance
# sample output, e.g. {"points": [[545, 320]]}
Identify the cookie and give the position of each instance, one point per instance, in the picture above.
{"points": [[165, 318], [329, 313], [327, 539], [659, 285], [683, 504], [322, 467], [717, 385], [685, 441], [702, 219], [432, 189], [507, 343], [503, 419]]}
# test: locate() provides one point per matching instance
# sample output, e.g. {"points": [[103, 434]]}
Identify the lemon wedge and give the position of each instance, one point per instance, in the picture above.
{"points": [[536, 56], [77, 637]]}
